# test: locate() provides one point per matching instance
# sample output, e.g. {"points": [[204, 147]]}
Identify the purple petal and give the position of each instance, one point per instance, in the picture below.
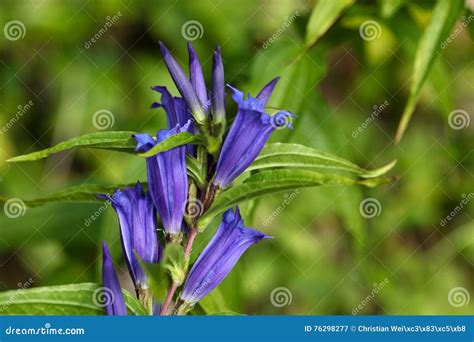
{"points": [[197, 78], [218, 87], [137, 218], [248, 134], [168, 182], [183, 84], [144, 142], [231, 240], [113, 292], [266, 92]]}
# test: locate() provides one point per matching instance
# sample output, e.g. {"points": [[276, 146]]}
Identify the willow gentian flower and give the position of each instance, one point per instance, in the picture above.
{"points": [[114, 301], [176, 109], [197, 78], [184, 85], [248, 134], [231, 240], [137, 219], [218, 88], [167, 179]]}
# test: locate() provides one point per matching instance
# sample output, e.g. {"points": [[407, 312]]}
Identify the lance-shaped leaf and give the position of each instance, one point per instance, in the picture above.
{"points": [[173, 141], [81, 193], [272, 181], [443, 18], [87, 193], [74, 299], [299, 156], [323, 15], [118, 141]]}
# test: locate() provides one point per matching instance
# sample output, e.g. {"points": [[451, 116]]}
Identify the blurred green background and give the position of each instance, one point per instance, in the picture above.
{"points": [[325, 258]]}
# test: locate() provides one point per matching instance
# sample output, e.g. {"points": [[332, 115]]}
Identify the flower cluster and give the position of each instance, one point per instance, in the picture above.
{"points": [[169, 189]]}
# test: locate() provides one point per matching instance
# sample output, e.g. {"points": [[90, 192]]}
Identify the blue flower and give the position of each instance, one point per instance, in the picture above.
{"points": [[137, 218], [218, 88], [185, 86], [167, 179], [219, 257], [197, 78], [248, 134], [176, 109], [115, 303], [177, 113]]}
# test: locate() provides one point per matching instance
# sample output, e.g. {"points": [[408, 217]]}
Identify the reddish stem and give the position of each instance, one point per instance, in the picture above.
{"points": [[189, 244], [168, 299]]}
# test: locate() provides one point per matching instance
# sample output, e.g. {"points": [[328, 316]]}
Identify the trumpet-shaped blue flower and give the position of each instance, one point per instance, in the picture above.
{"points": [[176, 109], [248, 134], [137, 219], [115, 303], [197, 78], [167, 179], [218, 88], [184, 85], [231, 240]]}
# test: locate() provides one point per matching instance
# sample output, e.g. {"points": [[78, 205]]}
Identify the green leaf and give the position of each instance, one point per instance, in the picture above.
{"points": [[443, 18], [74, 299], [295, 156], [195, 171], [158, 279], [268, 182], [173, 141], [175, 262], [213, 304], [81, 193], [323, 15], [121, 141]]}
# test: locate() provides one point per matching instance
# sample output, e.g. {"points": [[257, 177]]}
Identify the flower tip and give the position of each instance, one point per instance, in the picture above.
{"points": [[217, 52], [102, 196], [144, 142], [163, 48], [191, 50]]}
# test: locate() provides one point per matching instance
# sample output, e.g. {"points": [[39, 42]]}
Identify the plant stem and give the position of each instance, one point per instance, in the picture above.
{"points": [[174, 286], [168, 299], [189, 244], [145, 299]]}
